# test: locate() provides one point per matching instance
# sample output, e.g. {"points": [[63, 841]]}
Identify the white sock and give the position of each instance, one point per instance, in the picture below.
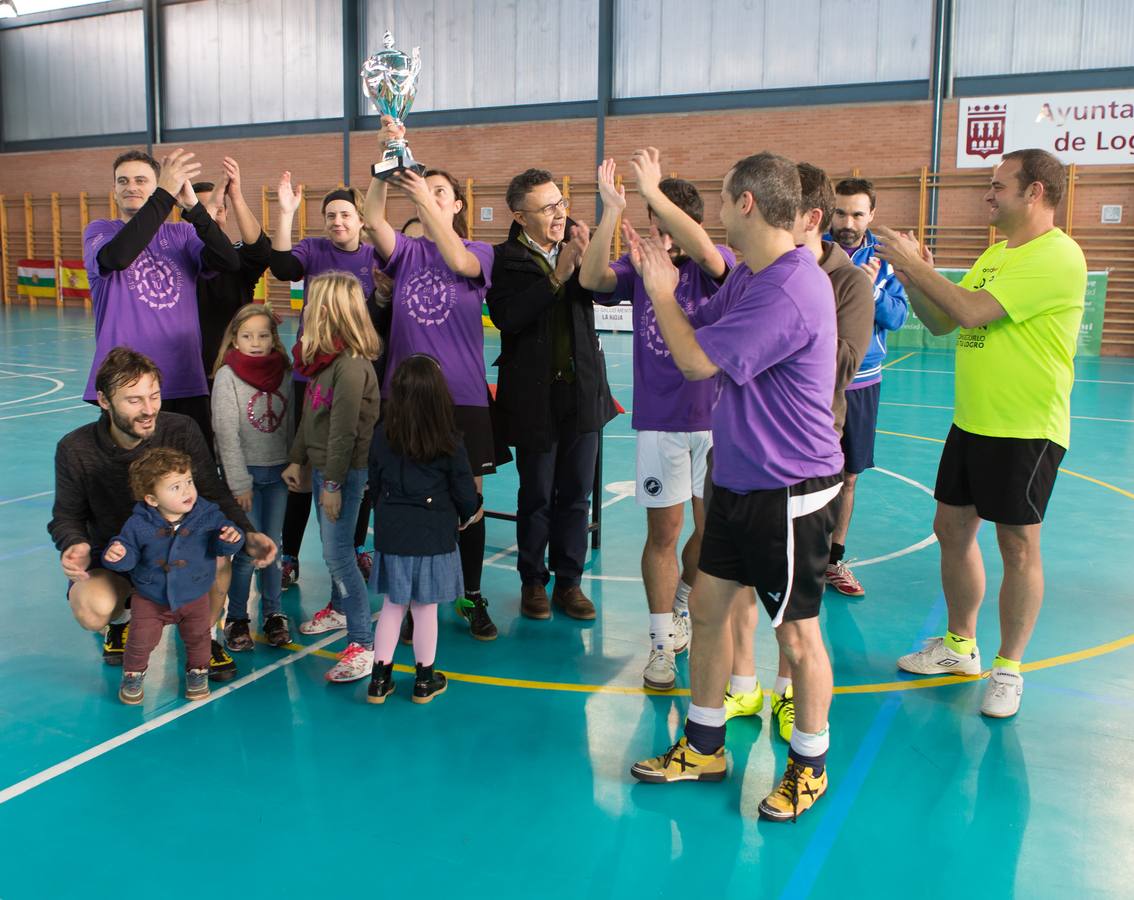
{"points": [[805, 744], [782, 684], [742, 684], [681, 599], [707, 715], [661, 631], [122, 619]]}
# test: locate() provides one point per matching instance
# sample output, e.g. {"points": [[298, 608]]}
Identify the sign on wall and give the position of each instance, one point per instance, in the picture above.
{"points": [[1085, 127]]}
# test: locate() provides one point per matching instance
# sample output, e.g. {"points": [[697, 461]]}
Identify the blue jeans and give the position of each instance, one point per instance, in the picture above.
{"points": [[269, 500], [348, 589]]}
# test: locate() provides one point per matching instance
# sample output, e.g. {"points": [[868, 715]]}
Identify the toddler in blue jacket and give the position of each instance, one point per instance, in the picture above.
{"points": [[169, 546]]}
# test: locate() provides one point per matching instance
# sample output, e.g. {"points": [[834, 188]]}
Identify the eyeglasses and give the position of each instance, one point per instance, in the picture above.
{"points": [[563, 204]]}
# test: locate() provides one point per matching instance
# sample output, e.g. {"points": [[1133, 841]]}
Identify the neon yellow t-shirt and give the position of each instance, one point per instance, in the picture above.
{"points": [[1014, 375]]}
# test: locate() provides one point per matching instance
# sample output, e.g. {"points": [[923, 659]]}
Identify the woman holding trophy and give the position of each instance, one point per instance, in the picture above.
{"points": [[440, 280]]}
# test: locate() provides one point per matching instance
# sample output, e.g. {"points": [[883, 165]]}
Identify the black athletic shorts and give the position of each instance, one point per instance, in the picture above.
{"points": [[475, 425], [1008, 480], [860, 427], [777, 541]]}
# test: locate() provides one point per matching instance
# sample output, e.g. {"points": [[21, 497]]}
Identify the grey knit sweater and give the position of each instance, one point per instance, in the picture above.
{"points": [[252, 428]]}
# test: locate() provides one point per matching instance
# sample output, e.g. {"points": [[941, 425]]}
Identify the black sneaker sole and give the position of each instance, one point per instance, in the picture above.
{"points": [[222, 673], [485, 637], [113, 657]]}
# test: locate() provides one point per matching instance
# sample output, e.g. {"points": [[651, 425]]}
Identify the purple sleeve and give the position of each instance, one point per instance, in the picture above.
{"points": [[757, 331], [95, 236], [485, 255], [193, 248], [403, 248], [302, 252], [728, 256], [624, 272]]}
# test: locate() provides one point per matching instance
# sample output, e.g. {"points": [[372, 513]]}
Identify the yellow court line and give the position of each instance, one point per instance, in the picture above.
{"points": [[879, 688], [899, 359]]}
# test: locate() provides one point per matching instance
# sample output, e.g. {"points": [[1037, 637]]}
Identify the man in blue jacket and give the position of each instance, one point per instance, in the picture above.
{"points": [[850, 226]]}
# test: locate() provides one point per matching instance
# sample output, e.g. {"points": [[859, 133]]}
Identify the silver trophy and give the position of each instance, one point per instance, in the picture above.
{"points": [[389, 79]]}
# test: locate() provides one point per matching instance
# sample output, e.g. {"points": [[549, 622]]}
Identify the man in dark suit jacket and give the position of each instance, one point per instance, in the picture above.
{"points": [[552, 393]]}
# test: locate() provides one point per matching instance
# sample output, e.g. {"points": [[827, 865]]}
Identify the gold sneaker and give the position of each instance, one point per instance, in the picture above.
{"points": [[797, 792], [682, 763]]}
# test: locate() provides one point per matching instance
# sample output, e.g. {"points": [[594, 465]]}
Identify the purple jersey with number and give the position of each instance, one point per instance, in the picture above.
{"points": [[438, 312], [772, 333], [663, 399], [150, 306]]}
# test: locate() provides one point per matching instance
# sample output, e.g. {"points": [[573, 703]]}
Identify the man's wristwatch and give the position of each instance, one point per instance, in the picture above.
{"points": [[332, 487]]}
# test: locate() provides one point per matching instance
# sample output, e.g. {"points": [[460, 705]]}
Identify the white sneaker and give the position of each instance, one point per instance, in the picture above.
{"points": [[355, 664], [327, 619], [660, 673], [1002, 696], [681, 630], [937, 659]]}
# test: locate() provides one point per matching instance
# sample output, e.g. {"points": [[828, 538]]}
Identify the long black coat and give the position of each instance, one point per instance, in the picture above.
{"points": [[520, 302]]}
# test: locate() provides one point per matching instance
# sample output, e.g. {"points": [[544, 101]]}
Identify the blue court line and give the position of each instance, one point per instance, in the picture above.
{"points": [[27, 551], [839, 804]]}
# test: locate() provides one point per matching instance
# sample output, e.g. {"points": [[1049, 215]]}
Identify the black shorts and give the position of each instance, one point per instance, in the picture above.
{"points": [[475, 425], [1008, 480], [860, 427], [96, 563], [777, 541]]}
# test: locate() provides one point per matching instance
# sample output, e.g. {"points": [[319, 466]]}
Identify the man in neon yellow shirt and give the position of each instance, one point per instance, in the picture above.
{"points": [[1018, 309]]}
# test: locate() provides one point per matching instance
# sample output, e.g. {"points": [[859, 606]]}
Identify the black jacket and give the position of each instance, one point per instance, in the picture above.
{"points": [[219, 297], [92, 480], [520, 302], [418, 506]]}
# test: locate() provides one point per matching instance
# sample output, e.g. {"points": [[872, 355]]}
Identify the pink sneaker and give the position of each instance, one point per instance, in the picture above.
{"points": [[840, 577], [327, 619], [354, 665]]}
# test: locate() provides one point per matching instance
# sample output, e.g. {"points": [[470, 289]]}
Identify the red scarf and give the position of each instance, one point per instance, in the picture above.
{"points": [[319, 363], [265, 373]]}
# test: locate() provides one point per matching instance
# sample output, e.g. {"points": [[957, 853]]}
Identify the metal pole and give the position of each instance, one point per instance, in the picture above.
{"points": [[350, 78], [940, 81], [152, 30], [605, 85]]}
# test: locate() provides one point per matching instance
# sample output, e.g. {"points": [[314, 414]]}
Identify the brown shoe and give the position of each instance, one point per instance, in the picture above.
{"points": [[573, 602], [533, 602]]}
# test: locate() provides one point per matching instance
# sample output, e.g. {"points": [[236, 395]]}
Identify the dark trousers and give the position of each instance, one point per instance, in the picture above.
{"points": [[555, 486], [199, 409], [147, 619]]}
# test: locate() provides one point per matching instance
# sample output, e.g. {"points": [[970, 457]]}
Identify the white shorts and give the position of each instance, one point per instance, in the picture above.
{"points": [[671, 466]]}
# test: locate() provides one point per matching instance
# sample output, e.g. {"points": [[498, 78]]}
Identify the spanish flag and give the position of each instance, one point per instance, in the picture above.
{"points": [[73, 279], [36, 278]]}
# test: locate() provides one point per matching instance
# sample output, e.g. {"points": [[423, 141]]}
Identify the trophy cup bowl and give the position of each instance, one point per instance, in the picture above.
{"points": [[389, 80]]}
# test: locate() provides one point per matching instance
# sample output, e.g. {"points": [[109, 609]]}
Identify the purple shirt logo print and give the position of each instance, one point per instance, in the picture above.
{"points": [[430, 295], [154, 281], [648, 320], [266, 411]]}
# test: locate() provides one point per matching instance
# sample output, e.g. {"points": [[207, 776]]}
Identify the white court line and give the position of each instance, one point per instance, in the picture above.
{"points": [[47, 412], [57, 400], [34, 781], [953, 372], [912, 548], [16, 365], [28, 497], [58, 386]]}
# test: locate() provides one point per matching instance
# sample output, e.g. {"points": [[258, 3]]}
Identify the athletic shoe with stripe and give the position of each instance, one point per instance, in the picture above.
{"points": [[748, 703], [355, 664], [114, 643], [797, 792], [682, 763], [841, 578], [1003, 694], [783, 711], [327, 619], [937, 659]]}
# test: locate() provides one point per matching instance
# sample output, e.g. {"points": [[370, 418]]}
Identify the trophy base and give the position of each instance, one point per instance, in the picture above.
{"points": [[394, 162]]}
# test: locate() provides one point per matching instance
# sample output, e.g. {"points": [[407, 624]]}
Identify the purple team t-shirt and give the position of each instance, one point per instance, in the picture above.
{"points": [[663, 399], [438, 312], [150, 306], [772, 333], [319, 255]]}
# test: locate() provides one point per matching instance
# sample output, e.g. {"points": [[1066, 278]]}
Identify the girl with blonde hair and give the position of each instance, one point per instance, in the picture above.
{"points": [[340, 409]]}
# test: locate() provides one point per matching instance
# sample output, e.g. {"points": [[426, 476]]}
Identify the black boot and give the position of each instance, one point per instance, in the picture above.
{"points": [[474, 610], [381, 683], [428, 684]]}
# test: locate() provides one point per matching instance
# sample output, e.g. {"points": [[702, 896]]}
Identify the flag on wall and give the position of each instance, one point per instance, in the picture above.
{"points": [[297, 295], [73, 279], [260, 294], [35, 278]]}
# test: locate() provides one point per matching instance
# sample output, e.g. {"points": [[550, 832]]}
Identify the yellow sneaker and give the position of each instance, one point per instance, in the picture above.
{"points": [[797, 792], [745, 704], [682, 763], [783, 710]]}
